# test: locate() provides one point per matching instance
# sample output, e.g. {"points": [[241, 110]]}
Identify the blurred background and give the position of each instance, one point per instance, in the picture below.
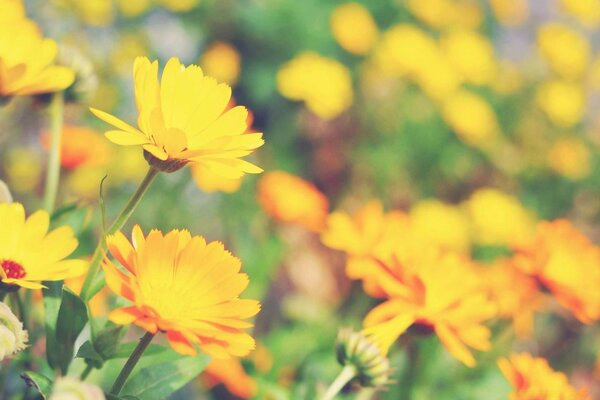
{"points": [[475, 117]]}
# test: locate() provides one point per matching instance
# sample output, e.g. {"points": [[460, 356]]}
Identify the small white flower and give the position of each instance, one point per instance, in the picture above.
{"points": [[13, 338], [68, 388]]}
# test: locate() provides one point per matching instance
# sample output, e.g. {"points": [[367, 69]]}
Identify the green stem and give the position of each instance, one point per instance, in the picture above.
{"points": [[130, 364], [53, 170], [86, 372], [345, 376], [90, 286], [22, 310]]}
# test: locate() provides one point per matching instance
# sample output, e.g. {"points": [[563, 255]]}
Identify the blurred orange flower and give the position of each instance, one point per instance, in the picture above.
{"points": [[289, 198], [432, 291], [231, 374], [80, 147], [533, 379], [183, 286], [566, 263]]}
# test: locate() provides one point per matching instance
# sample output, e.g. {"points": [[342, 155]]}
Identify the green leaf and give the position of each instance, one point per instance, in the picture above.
{"points": [[90, 355], [103, 347], [72, 317], [42, 383], [159, 381], [52, 297]]}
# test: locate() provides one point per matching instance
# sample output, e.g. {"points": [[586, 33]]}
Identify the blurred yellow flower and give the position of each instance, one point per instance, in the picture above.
{"points": [[510, 12], [209, 182], [566, 263], [183, 286], [439, 80], [472, 119], [12, 11], [182, 120], [566, 51], [230, 373], [562, 101], [570, 157], [498, 219], [289, 198], [586, 11], [472, 54], [29, 253], [23, 168], [222, 61], [440, 225], [432, 292], [354, 28], [80, 147], [27, 58], [532, 378], [440, 14], [516, 295], [322, 83], [91, 12]]}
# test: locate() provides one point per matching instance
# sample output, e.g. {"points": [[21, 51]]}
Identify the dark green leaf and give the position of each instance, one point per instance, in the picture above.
{"points": [[52, 297], [159, 381], [42, 383], [91, 356], [72, 317]]}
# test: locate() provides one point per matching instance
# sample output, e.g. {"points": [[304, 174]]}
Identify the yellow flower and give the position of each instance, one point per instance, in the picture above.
{"points": [[586, 11], [472, 119], [30, 254], [183, 286], [440, 14], [532, 378], [562, 101], [498, 219], [182, 119], [566, 263], [353, 28], [567, 51], [289, 198], [26, 57], [441, 225], [23, 169], [222, 61], [322, 83], [570, 157], [510, 12], [432, 291], [209, 182], [12, 11], [472, 54]]}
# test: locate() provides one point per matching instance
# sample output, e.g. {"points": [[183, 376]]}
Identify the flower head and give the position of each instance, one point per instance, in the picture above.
{"points": [[353, 28], [369, 360], [13, 338], [566, 263], [533, 379], [26, 57], [182, 120], [30, 254], [69, 388], [183, 286]]}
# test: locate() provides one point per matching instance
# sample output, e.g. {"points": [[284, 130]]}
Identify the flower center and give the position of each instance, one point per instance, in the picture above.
{"points": [[13, 269]]}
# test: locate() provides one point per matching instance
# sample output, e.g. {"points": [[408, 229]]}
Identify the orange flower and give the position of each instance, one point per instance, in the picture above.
{"points": [[289, 198], [533, 379], [369, 231], [81, 147], [231, 374], [432, 291], [565, 262], [183, 286]]}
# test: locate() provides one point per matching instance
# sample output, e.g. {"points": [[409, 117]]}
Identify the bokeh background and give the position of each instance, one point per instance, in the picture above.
{"points": [[475, 117]]}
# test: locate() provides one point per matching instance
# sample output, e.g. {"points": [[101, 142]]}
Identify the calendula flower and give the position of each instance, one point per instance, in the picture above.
{"points": [[567, 51], [210, 182], [182, 286], [472, 54], [567, 264], [26, 57], [432, 291], [231, 373], [532, 378], [441, 225], [81, 147], [13, 338], [570, 157], [222, 61], [324, 84], [562, 101], [289, 198], [182, 120], [353, 28], [69, 388], [366, 233], [30, 254], [440, 14]]}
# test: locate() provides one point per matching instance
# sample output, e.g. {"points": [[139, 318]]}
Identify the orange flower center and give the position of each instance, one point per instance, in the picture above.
{"points": [[13, 269]]}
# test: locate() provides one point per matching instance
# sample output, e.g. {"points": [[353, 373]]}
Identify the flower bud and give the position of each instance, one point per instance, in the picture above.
{"points": [[358, 350], [68, 388], [13, 337]]}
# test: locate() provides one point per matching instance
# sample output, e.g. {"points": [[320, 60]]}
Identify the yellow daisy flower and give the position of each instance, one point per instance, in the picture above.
{"points": [[26, 57], [183, 286], [182, 119], [30, 254]]}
